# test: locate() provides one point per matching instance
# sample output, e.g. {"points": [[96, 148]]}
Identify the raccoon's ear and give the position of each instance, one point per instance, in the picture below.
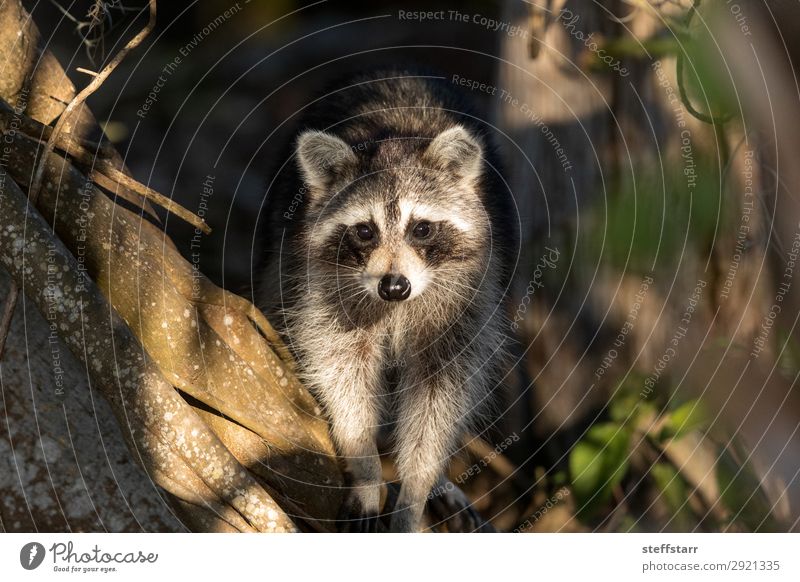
{"points": [[323, 158], [455, 150]]}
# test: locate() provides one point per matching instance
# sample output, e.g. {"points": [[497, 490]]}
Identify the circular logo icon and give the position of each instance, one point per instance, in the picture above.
{"points": [[31, 555]]}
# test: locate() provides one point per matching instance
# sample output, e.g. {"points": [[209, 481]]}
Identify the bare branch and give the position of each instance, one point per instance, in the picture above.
{"points": [[33, 193]]}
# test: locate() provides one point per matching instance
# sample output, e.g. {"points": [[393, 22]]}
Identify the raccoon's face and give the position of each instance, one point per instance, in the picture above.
{"points": [[402, 223]]}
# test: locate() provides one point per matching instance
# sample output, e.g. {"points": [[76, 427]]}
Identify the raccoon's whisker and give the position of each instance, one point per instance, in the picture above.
{"points": [[445, 268], [456, 293], [324, 277], [433, 273], [360, 301], [326, 274], [337, 265], [341, 278], [349, 288], [461, 285], [436, 270], [457, 284]]}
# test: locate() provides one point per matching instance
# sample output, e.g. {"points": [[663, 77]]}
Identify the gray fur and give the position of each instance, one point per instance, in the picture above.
{"points": [[448, 333], [322, 157]]}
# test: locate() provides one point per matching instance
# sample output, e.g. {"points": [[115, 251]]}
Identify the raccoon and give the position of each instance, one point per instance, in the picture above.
{"points": [[393, 238]]}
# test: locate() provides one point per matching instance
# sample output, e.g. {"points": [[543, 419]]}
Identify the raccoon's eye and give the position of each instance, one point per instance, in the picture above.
{"points": [[422, 229], [364, 231]]}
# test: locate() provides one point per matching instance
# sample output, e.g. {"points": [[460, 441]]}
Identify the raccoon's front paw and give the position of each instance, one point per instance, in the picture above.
{"points": [[451, 506], [355, 516]]}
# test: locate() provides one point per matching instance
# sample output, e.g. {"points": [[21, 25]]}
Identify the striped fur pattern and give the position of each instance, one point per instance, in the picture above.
{"points": [[397, 181]]}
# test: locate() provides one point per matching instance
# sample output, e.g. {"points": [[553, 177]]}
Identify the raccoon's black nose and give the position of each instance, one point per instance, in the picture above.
{"points": [[394, 288]]}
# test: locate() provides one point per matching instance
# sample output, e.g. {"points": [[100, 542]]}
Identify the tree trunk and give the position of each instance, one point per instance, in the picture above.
{"points": [[197, 379]]}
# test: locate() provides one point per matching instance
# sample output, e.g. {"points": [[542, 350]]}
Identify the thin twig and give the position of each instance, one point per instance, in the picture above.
{"points": [[497, 461], [36, 185], [96, 159], [78, 100], [86, 71], [66, 142], [109, 177]]}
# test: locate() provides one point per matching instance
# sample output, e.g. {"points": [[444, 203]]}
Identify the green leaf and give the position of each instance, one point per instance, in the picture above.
{"points": [[743, 496], [597, 464], [687, 417], [788, 352], [674, 494], [626, 404], [619, 409]]}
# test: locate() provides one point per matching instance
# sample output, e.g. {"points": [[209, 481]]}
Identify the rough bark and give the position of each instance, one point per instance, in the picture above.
{"points": [[197, 379]]}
